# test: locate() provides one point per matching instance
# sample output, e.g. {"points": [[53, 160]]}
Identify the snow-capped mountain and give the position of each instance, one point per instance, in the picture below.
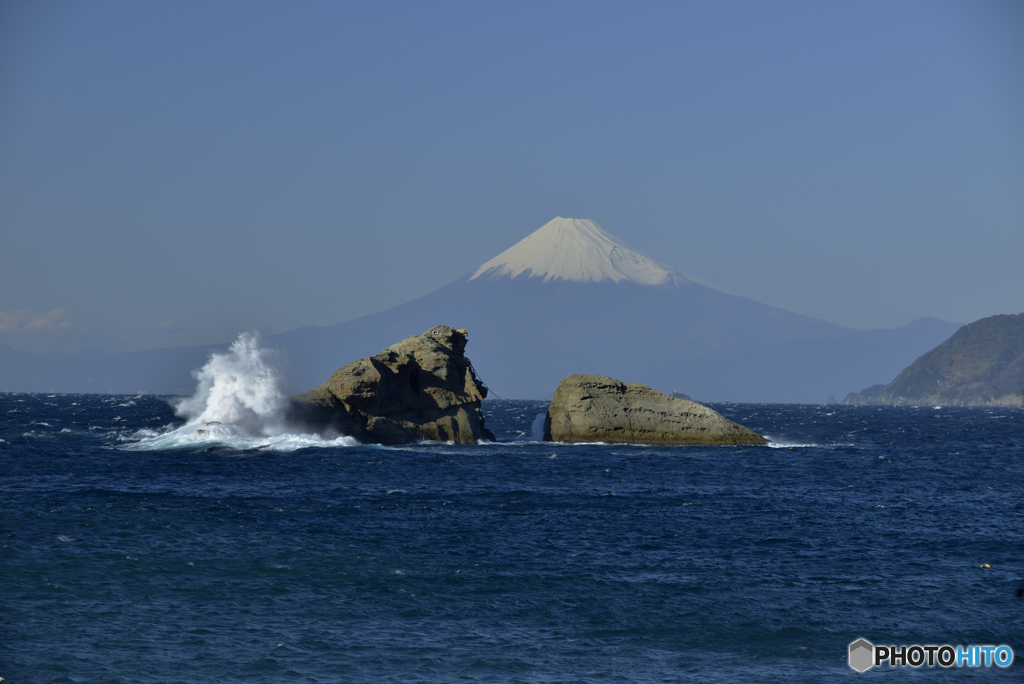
{"points": [[579, 251], [570, 297]]}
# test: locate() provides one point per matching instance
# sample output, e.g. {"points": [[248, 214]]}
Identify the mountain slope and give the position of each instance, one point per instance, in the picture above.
{"points": [[982, 364]]}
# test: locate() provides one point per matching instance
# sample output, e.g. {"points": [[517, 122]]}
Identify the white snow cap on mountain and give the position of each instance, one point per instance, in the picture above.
{"points": [[580, 250]]}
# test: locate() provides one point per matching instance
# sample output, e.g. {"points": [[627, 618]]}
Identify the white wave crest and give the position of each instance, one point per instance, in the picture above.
{"points": [[238, 404]]}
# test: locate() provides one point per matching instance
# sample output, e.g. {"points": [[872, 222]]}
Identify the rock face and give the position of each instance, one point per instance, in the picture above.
{"points": [[596, 408], [422, 388], [982, 364]]}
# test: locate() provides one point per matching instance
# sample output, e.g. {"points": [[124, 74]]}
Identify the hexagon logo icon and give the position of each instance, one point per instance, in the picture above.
{"points": [[862, 655]]}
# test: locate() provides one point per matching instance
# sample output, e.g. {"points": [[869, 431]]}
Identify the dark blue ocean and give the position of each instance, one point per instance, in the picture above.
{"points": [[515, 561]]}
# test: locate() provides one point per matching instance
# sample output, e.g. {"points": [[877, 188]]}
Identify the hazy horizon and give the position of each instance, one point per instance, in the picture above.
{"points": [[171, 175]]}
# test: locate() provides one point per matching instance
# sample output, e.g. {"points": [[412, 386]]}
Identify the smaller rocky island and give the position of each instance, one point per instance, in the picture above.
{"points": [[596, 408], [423, 388]]}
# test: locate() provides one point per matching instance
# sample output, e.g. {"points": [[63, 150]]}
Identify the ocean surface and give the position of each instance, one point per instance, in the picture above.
{"points": [[132, 553]]}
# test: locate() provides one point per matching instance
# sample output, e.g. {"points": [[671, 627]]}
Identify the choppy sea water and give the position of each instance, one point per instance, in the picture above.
{"points": [[322, 561]]}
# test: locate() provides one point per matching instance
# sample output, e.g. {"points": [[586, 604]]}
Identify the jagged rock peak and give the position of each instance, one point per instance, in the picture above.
{"points": [[423, 388], [579, 250]]}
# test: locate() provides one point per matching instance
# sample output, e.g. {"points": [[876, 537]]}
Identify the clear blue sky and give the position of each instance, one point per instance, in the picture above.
{"points": [[173, 173]]}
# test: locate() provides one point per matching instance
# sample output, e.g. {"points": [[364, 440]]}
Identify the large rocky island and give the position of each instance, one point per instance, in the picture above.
{"points": [[423, 388], [596, 408], [982, 364]]}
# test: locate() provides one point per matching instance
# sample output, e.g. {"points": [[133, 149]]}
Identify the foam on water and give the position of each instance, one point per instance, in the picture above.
{"points": [[238, 404], [229, 436], [772, 444]]}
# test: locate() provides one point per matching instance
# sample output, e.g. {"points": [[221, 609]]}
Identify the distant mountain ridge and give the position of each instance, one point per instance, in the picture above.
{"points": [[569, 298], [982, 364]]}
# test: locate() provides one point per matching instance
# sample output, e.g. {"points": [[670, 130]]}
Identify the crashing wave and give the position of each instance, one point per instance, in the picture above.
{"points": [[238, 404]]}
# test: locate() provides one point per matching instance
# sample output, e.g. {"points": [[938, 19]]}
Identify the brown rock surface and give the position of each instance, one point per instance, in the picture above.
{"points": [[422, 388], [596, 408]]}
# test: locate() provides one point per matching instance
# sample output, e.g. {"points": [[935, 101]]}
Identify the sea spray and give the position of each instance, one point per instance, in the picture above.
{"points": [[240, 388], [238, 403]]}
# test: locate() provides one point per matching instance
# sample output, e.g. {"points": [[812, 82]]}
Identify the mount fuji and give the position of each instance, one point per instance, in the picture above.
{"points": [[570, 297]]}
